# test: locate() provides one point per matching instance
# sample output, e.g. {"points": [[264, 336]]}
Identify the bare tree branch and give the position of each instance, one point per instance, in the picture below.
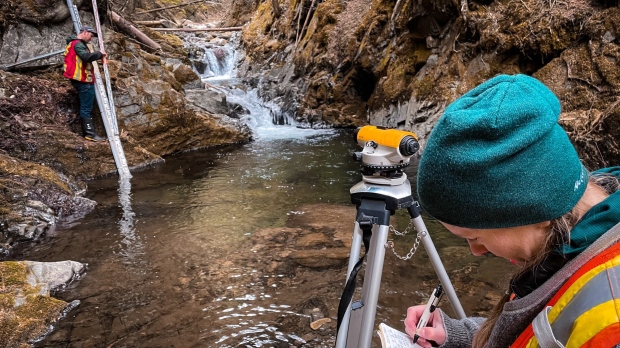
{"points": [[174, 6], [301, 33], [198, 29]]}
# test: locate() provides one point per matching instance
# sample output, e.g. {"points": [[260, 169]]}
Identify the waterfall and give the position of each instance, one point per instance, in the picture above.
{"points": [[266, 119], [217, 66], [219, 62]]}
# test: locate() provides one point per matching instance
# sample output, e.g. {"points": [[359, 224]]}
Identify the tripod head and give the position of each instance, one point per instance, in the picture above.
{"points": [[386, 152]]}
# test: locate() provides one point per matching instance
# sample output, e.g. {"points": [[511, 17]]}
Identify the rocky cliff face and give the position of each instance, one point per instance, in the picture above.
{"points": [[399, 64], [43, 158]]}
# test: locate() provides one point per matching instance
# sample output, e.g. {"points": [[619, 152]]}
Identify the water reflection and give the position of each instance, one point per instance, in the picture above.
{"points": [[132, 249]]}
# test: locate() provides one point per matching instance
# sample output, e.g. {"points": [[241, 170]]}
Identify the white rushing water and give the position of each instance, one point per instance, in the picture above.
{"points": [[261, 118], [221, 70]]}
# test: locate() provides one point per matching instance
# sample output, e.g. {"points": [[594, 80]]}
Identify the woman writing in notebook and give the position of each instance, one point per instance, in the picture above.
{"points": [[500, 172]]}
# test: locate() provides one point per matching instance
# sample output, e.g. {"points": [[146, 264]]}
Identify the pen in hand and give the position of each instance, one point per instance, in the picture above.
{"points": [[431, 305]]}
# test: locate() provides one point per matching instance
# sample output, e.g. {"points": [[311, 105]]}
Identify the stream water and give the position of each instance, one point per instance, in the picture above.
{"points": [[161, 249]]}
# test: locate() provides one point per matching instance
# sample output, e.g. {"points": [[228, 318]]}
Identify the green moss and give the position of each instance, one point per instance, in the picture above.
{"points": [[163, 3], [424, 88], [148, 109], [386, 58], [401, 71], [12, 166], [173, 40], [260, 24], [22, 324], [7, 301], [42, 307], [12, 273], [9, 327], [151, 58]]}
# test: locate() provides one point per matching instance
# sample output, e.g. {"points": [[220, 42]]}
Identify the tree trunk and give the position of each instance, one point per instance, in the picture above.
{"points": [[128, 28]]}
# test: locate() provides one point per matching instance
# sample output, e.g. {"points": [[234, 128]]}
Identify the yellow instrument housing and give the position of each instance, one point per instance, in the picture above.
{"points": [[382, 136]]}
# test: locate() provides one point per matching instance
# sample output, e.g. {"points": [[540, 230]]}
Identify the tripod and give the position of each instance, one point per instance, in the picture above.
{"points": [[375, 204]]}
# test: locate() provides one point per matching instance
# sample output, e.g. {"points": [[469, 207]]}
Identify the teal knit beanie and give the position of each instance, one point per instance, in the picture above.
{"points": [[498, 158]]}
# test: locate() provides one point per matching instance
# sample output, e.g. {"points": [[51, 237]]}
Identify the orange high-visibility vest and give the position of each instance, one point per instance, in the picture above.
{"points": [[585, 312], [74, 68]]}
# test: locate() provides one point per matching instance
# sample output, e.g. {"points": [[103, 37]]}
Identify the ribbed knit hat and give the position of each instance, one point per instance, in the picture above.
{"points": [[498, 158]]}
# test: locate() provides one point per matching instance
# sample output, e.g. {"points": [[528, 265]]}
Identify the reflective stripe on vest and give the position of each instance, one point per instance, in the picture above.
{"points": [[73, 66], [586, 310], [544, 332]]}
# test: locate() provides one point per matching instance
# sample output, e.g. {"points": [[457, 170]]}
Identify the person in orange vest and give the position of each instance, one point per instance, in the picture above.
{"points": [[499, 171], [79, 70]]}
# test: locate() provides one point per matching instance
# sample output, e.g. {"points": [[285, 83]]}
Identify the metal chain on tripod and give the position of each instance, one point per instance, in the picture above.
{"points": [[418, 238]]}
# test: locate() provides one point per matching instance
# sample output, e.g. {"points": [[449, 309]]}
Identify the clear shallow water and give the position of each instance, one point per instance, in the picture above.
{"points": [[162, 270]]}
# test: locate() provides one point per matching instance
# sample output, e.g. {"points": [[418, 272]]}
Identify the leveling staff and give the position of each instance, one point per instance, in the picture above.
{"points": [[500, 172], [79, 70]]}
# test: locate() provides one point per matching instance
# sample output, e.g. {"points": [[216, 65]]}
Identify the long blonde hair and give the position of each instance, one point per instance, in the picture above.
{"points": [[559, 233]]}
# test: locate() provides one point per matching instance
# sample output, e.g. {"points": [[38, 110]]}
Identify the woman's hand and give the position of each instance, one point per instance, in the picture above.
{"points": [[434, 331]]}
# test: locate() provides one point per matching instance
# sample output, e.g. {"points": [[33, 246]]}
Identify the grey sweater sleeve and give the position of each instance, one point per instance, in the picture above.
{"points": [[460, 333]]}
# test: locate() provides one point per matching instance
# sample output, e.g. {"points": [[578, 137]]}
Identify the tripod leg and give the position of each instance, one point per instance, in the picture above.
{"points": [[356, 246], [436, 262], [373, 225], [372, 282], [362, 315]]}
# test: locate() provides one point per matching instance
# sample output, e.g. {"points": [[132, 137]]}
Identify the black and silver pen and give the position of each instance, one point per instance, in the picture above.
{"points": [[431, 305]]}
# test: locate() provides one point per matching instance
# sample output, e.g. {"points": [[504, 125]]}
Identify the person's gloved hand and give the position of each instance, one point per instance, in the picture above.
{"points": [[434, 331]]}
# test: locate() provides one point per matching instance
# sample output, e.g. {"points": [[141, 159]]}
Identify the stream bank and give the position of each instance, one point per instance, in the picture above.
{"points": [[399, 64], [45, 163], [42, 146]]}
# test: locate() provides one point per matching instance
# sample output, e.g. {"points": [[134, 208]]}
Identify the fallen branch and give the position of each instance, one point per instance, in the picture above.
{"points": [[396, 12], [173, 6], [149, 23], [464, 10], [217, 88], [128, 28], [195, 29], [298, 15], [47, 55], [301, 33]]}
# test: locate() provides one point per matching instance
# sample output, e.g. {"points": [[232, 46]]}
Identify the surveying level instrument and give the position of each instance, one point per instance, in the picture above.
{"points": [[384, 189]]}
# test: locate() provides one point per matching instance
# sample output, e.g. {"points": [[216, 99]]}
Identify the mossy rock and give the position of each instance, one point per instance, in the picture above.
{"points": [[24, 313], [12, 274], [184, 74]]}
